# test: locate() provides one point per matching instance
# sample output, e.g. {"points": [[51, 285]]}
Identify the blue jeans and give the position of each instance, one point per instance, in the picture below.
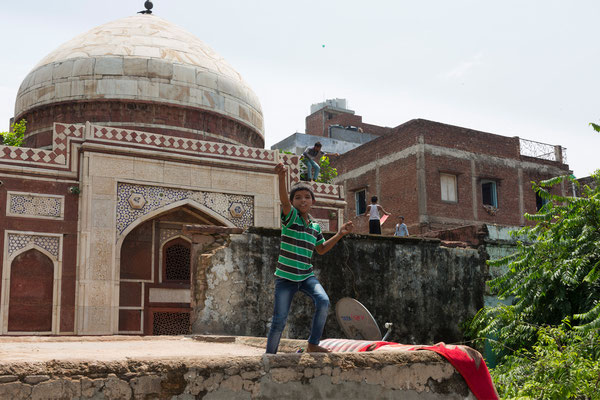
{"points": [[310, 165], [284, 293]]}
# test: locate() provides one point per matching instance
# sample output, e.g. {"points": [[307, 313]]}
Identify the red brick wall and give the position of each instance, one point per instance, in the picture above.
{"points": [[130, 114], [68, 226], [398, 179], [31, 287], [435, 166], [318, 124]]}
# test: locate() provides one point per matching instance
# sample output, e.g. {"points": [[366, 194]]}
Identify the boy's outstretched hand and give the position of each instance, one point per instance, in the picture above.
{"points": [[346, 228], [280, 169]]}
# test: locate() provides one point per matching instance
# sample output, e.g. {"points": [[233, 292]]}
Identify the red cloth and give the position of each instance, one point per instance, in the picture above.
{"points": [[467, 361]]}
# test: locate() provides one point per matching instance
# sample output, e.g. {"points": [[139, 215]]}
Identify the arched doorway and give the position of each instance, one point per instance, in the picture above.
{"points": [[31, 293], [155, 267]]}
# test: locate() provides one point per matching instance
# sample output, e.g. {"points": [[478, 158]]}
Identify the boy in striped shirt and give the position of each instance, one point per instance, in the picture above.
{"points": [[300, 235]]}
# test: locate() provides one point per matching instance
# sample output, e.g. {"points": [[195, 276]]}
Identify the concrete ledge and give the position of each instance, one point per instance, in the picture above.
{"points": [[402, 375]]}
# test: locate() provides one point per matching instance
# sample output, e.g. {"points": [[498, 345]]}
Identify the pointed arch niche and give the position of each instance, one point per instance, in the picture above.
{"points": [[31, 275], [154, 257]]}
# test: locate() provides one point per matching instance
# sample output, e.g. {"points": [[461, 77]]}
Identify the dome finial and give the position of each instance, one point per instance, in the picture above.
{"points": [[148, 4]]}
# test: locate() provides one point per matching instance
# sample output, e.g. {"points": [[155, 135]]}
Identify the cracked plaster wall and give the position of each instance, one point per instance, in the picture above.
{"points": [[425, 289]]}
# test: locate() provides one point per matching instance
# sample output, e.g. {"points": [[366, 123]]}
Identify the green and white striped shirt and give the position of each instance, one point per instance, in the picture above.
{"points": [[298, 240]]}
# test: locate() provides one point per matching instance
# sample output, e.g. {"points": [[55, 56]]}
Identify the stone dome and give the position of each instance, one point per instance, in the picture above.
{"points": [[141, 72]]}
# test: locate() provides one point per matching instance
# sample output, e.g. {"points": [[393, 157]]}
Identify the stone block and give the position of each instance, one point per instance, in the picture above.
{"points": [[213, 100], [115, 167], [63, 70], [135, 67], [263, 183], [201, 178], [228, 86], [103, 186], [108, 66], [35, 379], [126, 87], [115, 388], [83, 66], [149, 171], [48, 390], [15, 391], [103, 213], [232, 107], [100, 258], [177, 174], [160, 69], [148, 89], [184, 73], [62, 90], [146, 386], [96, 321], [91, 387], [106, 87], [169, 91], [43, 94], [207, 79], [265, 217], [43, 74], [229, 180], [77, 88], [264, 200]]}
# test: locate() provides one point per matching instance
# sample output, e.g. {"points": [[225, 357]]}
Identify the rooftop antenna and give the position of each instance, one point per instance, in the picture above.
{"points": [[148, 4]]}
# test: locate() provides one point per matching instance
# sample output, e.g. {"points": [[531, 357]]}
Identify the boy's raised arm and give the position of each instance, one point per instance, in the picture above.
{"points": [[344, 230], [283, 193]]}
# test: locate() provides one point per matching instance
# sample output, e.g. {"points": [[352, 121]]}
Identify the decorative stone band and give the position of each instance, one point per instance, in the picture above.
{"points": [[18, 241], [135, 201], [58, 157], [181, 145]]}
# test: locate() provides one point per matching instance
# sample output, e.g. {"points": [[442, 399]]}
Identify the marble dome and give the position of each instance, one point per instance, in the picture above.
{"points": [[144, 59]]}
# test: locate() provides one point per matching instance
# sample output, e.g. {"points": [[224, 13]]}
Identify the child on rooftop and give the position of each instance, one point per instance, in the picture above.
{"points": [[299, 236]]}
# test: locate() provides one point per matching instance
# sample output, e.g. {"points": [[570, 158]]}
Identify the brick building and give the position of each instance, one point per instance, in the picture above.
{"points": [[334, 113], [440, 176]]}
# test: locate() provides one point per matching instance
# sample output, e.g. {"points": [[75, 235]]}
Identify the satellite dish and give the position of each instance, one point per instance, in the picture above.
{"points": [[356, 321]]}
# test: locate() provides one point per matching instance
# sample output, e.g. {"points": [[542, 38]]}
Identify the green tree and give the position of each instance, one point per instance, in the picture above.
{"points": [[327, 173], [16, 135], [555, 272], [562, 364], [548, 337]]}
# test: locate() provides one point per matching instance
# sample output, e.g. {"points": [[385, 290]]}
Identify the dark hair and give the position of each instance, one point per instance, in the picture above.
{"points": [[401, 217], [318, 144], [374, 199], [301, 186]]}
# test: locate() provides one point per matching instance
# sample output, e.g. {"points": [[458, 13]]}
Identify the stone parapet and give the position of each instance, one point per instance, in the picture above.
{"points": [[422, 374]]}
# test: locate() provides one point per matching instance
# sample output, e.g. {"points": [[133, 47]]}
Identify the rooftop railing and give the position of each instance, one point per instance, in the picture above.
{"points": [[544, 151]]}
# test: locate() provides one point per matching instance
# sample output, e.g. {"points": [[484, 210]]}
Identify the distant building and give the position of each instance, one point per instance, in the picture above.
{"points": [[440, 176], [335, 126]]}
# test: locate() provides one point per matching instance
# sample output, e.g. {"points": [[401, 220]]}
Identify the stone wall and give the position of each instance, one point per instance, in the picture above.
{"points": [[421, 374], [425, 289]]}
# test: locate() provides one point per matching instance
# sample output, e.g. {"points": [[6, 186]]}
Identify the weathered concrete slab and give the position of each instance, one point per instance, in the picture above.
{"points": [[213, 367]]}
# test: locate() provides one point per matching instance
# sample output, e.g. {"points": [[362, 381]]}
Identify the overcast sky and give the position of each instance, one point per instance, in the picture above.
{"points": [[514, 68]]}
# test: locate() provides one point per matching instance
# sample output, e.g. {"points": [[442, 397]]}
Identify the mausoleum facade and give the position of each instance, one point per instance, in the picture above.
{"points": [[136, 129]]}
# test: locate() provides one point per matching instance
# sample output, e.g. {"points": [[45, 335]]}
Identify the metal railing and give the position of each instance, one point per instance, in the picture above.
{"points": [[543, 151]]}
